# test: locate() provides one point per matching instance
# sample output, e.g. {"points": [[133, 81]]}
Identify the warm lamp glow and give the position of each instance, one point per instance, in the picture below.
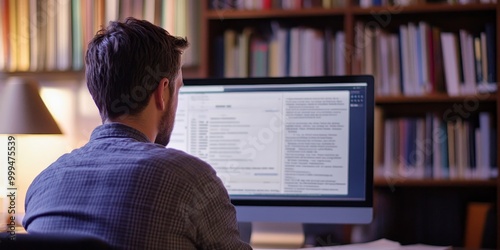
{"points": [[22, 110]]}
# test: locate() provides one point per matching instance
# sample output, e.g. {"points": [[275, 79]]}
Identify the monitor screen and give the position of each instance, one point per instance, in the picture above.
{"points": [[293, 149]]}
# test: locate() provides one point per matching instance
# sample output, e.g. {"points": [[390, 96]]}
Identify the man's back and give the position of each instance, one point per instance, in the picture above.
{"points": [[133, 194]]}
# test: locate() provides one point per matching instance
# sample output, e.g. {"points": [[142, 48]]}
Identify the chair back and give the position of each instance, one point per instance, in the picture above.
{"points": [[23, 241]]}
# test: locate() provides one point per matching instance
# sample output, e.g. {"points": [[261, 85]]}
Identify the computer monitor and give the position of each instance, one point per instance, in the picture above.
{"points": [[288, 150]]}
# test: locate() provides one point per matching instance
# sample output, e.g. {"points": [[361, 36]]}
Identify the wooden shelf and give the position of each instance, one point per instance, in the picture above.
{"points": [[435, 98], [273, 13], [434, 183], [423, 8], [45, 75], [188, 72], [282, 13]]}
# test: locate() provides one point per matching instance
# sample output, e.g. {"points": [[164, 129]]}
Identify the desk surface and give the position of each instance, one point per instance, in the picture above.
{"points": [[382, 244]]}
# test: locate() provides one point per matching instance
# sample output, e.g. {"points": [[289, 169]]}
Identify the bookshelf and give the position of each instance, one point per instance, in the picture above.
{"points": [[49, 37], [400, 98], [340, 20]]}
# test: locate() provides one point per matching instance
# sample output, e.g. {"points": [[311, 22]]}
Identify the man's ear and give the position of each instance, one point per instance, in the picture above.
{"points": [[160, 96]]}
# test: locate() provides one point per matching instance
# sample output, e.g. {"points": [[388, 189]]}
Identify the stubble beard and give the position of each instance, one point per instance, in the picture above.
{"points": [[165, 127]]}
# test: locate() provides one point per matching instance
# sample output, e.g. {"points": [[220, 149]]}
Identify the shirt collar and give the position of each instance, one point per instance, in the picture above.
{"points": [[117, 130]]}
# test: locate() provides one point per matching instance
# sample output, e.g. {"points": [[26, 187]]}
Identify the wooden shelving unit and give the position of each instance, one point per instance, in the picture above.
{"points": [[449, 17]]}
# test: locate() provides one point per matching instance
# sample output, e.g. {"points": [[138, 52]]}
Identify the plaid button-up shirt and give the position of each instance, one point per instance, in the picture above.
{"points": [[133, 194]]}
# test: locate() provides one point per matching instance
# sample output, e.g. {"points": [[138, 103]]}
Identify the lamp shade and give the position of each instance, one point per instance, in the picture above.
{"points": [[22, 110]]}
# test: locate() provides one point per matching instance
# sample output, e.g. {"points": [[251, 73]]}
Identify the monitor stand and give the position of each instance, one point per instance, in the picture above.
{"points": [[277, 235]]}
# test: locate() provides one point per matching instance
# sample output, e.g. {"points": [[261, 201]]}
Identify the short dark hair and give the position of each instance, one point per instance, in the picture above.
{"points": [[126, 61]]}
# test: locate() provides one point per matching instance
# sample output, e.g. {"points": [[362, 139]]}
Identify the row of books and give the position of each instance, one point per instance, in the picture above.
{"points": [[296, 51], [274, 4], [422, 59], [306, 4], [436, 147], [52, 35]]}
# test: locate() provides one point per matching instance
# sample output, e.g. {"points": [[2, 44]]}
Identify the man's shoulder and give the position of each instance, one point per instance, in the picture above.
{"points": [[171, 154], [148, 159], [180, 161]]}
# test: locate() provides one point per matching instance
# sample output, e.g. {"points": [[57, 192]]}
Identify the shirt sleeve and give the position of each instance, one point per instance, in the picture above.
{"points": [[214, 216]]}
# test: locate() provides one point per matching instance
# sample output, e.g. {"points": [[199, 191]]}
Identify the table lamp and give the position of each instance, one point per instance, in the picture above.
{"points": [[22, 111]]}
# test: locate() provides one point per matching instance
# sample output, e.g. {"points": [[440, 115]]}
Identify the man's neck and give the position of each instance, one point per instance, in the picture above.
{"points": [[138, 124]]}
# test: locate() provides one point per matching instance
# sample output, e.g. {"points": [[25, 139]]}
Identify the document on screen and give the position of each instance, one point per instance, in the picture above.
{"points": [[269, 142]]}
